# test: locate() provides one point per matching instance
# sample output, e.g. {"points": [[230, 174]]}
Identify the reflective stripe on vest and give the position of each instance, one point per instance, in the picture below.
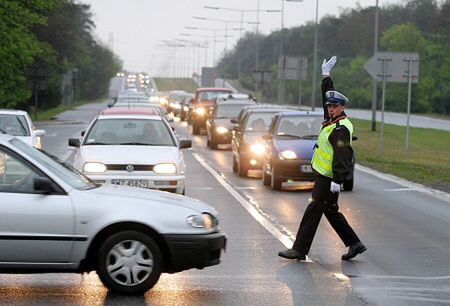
{"points": [[322, 160]]}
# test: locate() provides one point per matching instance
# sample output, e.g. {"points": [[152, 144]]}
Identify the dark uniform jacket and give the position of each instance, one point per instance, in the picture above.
{"points": [[339, 139]]}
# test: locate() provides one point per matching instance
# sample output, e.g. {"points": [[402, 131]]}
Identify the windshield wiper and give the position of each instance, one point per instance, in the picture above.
{"points": [[97, 143], [310, 136], [290, 135], [138, 144]]}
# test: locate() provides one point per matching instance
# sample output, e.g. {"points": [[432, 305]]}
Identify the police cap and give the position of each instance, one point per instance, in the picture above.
{"points": [[334, 97]]}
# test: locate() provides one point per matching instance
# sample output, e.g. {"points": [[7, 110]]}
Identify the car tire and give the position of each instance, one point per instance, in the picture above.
{"points": [[275, 181], [195, 128], [348, 185], [235, 165], [148, 262], [266, 178], [243, 167]]}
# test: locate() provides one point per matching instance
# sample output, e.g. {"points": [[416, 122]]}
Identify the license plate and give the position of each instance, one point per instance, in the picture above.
{"points": [[132, 183], [306, 168]]}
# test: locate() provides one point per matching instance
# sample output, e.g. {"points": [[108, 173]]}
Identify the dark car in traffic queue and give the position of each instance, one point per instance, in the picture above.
{"points": [[247, 141], [185, 107], [202, 104], [290, 146], [219, 126]]}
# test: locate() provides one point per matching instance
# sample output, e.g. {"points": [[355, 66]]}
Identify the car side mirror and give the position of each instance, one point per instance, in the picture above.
{"points": [[74, 142], [185, 143], [110, 104], [43, 185], [234, 120], [267, 137], [354, 138], [82, 133], [39, 132]]}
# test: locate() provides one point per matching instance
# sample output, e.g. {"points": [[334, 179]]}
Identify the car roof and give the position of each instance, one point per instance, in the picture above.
{"points": [[13, 111], [148, 111], [235, 102], [299, 113]]}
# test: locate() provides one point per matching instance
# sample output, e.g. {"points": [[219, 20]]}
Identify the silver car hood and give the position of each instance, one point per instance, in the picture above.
{"points": [[148, 196]]}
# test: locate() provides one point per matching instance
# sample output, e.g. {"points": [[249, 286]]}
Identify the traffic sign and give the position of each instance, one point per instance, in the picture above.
{"points": [[396, 68], [292, 68]]}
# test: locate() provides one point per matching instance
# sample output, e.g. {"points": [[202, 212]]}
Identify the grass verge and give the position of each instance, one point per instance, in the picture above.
{"points": [[44, 115], [427, 161]]}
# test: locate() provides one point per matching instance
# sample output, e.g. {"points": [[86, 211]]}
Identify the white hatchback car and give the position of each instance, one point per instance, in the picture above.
{"points": [[54, 219], [18, 123], [134, 147]]}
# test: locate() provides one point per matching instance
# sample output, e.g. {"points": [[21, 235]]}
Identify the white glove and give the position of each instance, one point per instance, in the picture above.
{"points": [[335, 187], [327, 66]]}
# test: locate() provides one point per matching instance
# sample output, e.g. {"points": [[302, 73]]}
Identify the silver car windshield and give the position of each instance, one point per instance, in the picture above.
{"points": [[126, 131], [15, 125], [66, 173]]}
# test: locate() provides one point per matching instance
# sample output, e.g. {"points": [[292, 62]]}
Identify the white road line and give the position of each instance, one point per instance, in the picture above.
{"points": [[284, 239], [245, 188], [414, 186]]}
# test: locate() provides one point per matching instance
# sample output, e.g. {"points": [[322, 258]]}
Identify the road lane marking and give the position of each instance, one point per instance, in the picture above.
{"points": [[286, 240], [414, 186], [245, 188]]}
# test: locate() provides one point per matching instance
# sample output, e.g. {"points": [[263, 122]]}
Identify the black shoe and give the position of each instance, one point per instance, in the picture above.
{"points": [[353, 250], [292, 254]]}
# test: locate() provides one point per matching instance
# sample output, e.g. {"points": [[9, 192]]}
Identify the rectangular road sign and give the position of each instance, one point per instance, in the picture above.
{"points": [[292, 67], [396, 68]]}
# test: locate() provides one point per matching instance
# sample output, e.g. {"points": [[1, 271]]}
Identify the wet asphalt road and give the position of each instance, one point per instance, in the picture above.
{"points": [[404, 227]]}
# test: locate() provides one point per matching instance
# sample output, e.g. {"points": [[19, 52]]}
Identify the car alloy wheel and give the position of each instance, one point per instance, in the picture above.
{"points": [[129, 262]]}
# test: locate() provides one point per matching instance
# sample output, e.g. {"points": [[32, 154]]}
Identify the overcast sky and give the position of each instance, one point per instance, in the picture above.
{"points": [[135, 28]]}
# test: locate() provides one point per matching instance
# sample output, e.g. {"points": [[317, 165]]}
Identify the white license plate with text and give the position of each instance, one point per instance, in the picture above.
{"points": [[306, 168], [132, 183]]}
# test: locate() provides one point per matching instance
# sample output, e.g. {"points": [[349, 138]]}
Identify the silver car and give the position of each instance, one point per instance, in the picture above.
{"points": [[54, 219]]}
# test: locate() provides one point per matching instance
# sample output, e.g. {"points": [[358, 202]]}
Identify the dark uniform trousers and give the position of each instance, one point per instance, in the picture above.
{"points": [[323, 202]]}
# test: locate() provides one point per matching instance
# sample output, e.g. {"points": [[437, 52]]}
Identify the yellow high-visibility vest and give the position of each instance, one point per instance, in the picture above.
{"points": [[322, 160]]}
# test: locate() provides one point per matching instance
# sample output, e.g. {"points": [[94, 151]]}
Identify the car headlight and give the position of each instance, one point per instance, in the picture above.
{"points": [[287, 154], [257, 148], [204, 220], [92, 167], [165, 168], [221, 130], [200, 111]]}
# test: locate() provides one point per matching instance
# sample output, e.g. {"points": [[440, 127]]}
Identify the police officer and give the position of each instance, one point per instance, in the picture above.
{"points": [[332, 161]]}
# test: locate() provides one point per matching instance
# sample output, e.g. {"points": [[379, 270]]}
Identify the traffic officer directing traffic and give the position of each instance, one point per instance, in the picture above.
{"points": [[332, 162]]}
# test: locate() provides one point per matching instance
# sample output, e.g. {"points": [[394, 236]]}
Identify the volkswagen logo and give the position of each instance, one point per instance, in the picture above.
{"points": [[129, 168]]}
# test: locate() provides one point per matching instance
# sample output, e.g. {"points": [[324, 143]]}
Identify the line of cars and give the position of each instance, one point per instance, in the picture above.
{"points": [[277, 140], [57, 218]]}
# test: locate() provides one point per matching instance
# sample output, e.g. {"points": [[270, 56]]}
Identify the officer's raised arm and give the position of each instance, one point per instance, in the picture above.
{"points": [[327, 83]]}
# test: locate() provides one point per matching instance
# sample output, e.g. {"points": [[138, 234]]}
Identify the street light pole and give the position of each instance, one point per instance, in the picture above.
{"points": [[374, 82], [314, 74]]}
